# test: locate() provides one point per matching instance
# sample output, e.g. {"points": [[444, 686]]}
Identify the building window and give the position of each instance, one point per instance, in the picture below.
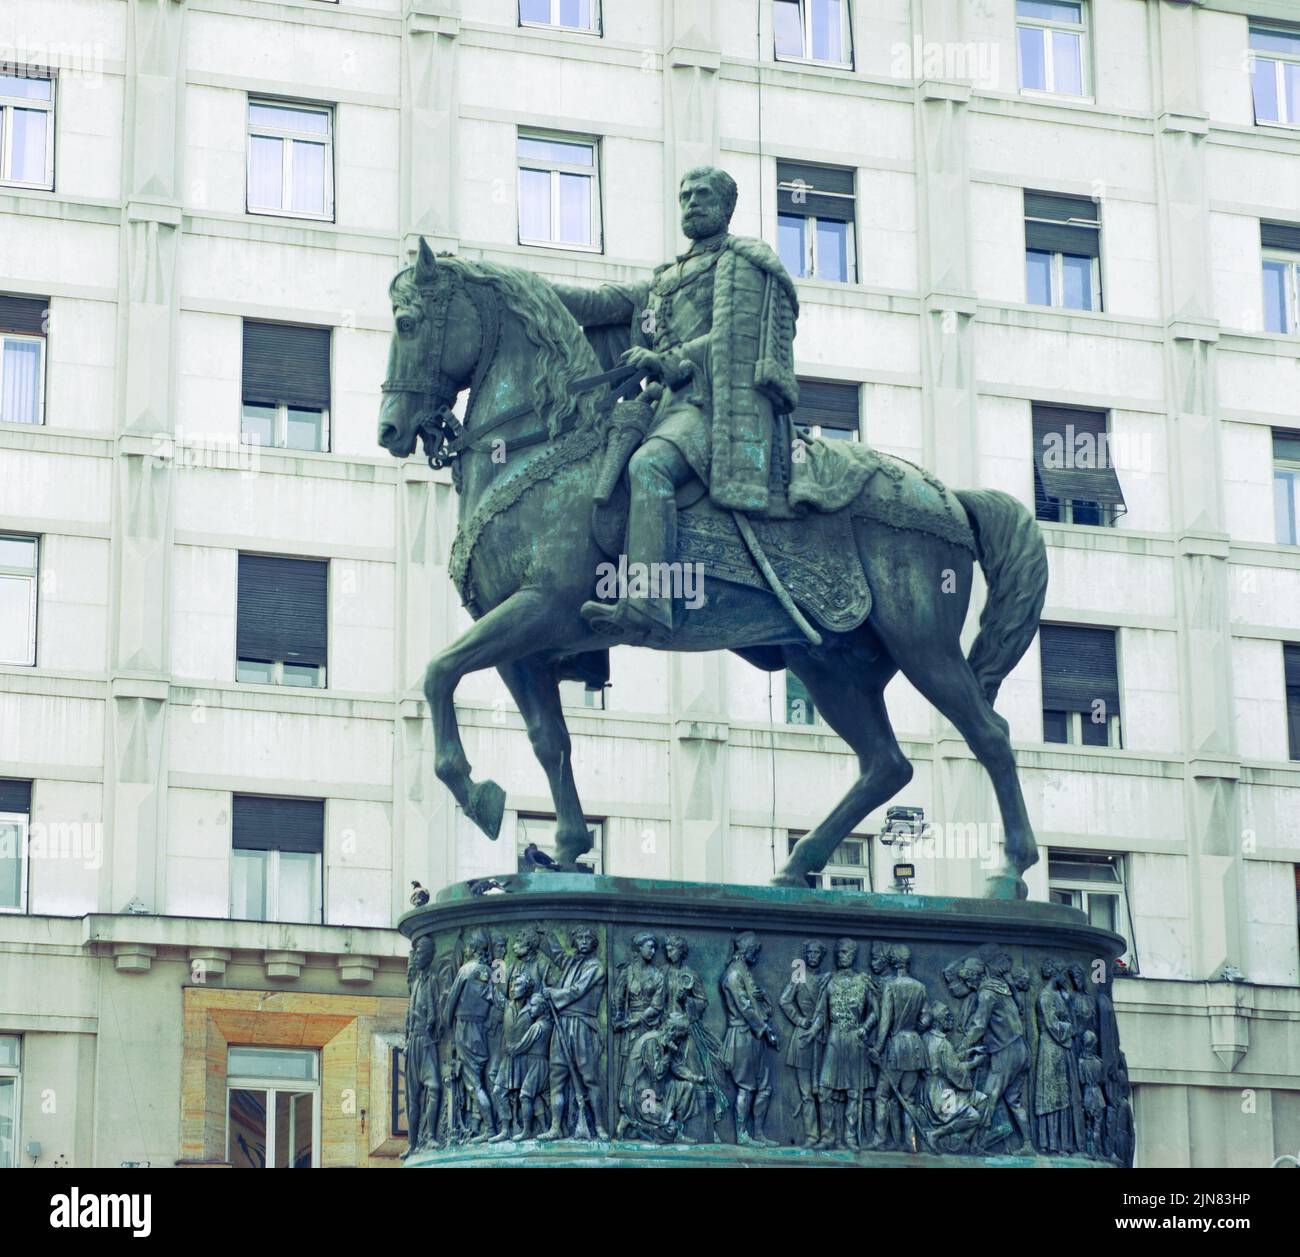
{"points": [[286, 386], [275, 872], [272, 1108], [539, 828], [569, 15], [799, 706], [814, 221], [11, 1046], [1093, 883], [1286, 486], [1275, 74], [828, 409], [1074, 478], [282, 620], [1052, 42], [813, 30], [15, 809], [26, 129], [23, 323], [1080, 685], [290, 160], [1062, 251], [19, 557], [849, 868], [1280, 245], [1291, 674], [559, 199]]}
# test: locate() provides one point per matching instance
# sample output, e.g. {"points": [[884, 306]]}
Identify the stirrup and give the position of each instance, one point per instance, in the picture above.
{"points": [[622, 621]]}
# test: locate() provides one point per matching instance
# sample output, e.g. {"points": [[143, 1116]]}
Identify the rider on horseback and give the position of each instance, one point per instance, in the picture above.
{"points": [[714, 332]]}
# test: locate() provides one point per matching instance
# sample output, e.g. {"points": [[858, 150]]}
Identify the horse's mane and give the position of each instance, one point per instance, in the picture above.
{"points": [[563, 352]]}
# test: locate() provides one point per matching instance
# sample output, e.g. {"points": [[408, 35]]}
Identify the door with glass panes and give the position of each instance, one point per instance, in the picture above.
{"points": [[272, 1108]]}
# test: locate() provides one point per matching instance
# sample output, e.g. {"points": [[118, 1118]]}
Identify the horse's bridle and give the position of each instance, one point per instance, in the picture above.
{"points": [[443, 436]]}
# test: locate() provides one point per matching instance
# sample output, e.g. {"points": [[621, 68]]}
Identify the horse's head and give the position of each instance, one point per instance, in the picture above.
{"points": [[436, 343]]}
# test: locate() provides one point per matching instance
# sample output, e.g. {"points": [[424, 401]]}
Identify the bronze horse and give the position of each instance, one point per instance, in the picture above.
{"points": [[526, 560]]}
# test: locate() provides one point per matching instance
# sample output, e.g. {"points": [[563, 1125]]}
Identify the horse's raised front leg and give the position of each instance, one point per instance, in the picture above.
{"points": [[515, 628], [536, 690]]}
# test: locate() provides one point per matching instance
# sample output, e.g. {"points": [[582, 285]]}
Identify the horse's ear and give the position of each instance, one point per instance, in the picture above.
{"points": [[424, 262]]}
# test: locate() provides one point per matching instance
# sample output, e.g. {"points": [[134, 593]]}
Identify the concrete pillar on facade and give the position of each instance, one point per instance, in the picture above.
{"points": [[135, 779], [430, 126], [1211, 796]]}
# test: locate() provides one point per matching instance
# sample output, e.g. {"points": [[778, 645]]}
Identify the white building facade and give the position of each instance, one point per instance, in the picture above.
{"points": [[1018, 225]]}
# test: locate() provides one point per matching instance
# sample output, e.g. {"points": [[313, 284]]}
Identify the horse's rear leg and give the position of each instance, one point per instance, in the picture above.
{"points": [[508, 632], [941, 673], [853, 703], [536, 691]]}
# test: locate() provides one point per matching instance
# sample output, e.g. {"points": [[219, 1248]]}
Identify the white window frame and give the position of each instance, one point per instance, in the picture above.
{"points": [[555, 170], [1292, 472], [812, 268], [7, 105], [1074, 732], [840, 867], [1279, 60], [288, 135], [595, 859], [16, 1073], [1081, 890], [1291, 283], [33, 577], [277, 673], [1079, 28], [23, 820], [1056, 282], [27, 338], [556, 25], [272, 1086], [272, 867], [281, 422], [806, 24]]}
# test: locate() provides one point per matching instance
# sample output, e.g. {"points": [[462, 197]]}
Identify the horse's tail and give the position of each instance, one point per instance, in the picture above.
{"points": [[1011, 552]]}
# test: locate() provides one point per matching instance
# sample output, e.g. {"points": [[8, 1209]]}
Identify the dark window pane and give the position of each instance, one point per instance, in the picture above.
{"points": [[1056, 726], [1094, 732], [1103, 910], [247, 1129], [799, 709], [1087, 513]]}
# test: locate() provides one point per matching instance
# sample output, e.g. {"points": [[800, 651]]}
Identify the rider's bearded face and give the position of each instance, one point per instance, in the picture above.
{"points": [[702, 211]]}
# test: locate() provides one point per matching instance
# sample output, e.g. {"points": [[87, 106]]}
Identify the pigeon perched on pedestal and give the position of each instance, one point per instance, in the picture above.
{"points": [[419, 896], [535, 858]]}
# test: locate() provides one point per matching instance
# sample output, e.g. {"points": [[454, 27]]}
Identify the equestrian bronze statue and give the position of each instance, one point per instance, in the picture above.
{"points": [[645, 430]]}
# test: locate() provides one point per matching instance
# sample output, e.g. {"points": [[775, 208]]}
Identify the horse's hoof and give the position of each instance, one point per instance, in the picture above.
{"points": [[1005, 885], [487, 805], [796, 881], [568, 853]]}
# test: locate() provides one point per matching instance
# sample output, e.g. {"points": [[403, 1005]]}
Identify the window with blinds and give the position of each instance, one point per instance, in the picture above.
{"points": [[278, 845], [1291, 671], [286, 386], [1280, 249], [1062, 251], [23, 323], [1074, 475], [1081, 700], [815, 221], [828, 409], [282, 620]]}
